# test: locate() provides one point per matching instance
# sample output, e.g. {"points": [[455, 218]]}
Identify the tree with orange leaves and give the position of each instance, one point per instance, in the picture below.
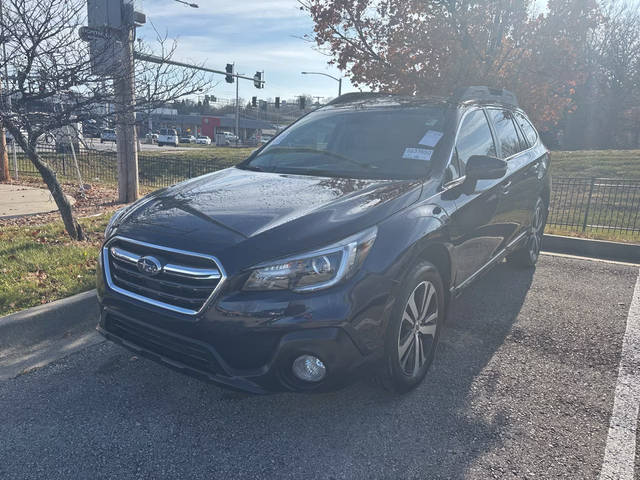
{"points": [[422, 46]]}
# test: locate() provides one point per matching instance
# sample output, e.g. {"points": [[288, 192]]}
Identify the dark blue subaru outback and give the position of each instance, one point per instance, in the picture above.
{"points": [[332, 251]]}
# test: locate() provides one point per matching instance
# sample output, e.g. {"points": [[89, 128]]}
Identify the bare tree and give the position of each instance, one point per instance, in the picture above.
{"points": [[53, 87]]}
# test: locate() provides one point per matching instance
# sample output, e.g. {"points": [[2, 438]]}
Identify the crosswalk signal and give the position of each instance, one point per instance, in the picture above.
{"points": [[257, 80], [229, 70], [254, 101], [277, 102]]}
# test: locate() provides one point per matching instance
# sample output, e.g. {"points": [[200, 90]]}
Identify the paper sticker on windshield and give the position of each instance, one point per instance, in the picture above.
{"points": [[431, 138], [417, 154]]}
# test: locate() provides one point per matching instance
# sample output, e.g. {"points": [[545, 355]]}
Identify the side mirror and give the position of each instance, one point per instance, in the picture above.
{"points": [[483, 167]]}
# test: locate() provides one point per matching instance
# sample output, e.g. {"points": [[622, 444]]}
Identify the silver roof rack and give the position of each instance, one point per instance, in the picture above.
{"points": [[485, 94]]}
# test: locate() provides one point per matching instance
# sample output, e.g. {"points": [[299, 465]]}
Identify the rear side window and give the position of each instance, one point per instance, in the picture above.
{"points": [[474, 138], [163, 131], [529, 132], [506, 131]]}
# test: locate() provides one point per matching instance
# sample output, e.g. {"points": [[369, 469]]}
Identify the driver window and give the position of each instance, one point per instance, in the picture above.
{"points": [[474, 138]]}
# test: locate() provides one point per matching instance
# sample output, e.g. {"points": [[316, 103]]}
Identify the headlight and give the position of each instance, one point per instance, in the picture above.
{"points": [[110, 226], [314, 270]]}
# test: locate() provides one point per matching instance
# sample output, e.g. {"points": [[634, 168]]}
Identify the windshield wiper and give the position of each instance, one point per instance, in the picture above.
{"points": [[326, 153], [253, 168]]}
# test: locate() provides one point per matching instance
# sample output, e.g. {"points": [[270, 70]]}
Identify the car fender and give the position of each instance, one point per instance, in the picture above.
{"points": [[409, 234]]}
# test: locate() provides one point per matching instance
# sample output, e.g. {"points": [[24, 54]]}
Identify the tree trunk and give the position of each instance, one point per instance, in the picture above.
{"points": [[72, 227]]}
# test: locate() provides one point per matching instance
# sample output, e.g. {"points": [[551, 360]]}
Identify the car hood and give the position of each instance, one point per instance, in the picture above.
{"points": [[251, 216]]}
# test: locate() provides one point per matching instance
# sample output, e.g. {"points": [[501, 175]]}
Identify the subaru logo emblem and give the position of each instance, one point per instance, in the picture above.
{"points": [[149, 265]]}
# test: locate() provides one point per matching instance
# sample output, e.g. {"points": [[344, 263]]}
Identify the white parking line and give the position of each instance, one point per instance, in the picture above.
{"points": [[578, 257], [620, 452]]}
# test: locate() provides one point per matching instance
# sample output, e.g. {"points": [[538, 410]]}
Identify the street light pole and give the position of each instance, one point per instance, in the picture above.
{"points": [[237, 132], [339, 80]]}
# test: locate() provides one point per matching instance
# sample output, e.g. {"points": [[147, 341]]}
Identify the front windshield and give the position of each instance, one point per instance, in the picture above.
{"points": [[394, 142]]}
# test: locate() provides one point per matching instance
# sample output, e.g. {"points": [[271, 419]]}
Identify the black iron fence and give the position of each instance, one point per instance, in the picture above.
{"points": [[577, 204], [596, 205], [156, 169]]}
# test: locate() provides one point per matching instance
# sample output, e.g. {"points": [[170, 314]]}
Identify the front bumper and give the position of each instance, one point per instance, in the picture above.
{"points": [[199, 359]]}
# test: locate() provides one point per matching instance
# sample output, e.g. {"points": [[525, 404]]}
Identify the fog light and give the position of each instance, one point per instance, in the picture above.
{"points": [[309, 368]]}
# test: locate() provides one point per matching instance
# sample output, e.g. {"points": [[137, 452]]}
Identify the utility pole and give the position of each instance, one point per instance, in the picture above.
{"points": [[126, 141], [5, 176], [149, 113]]}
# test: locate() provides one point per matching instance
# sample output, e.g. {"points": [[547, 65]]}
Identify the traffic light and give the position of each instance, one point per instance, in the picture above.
{"points": [[257, 80], [277, 102], [229, 70], [303, 103], [254, 101]]}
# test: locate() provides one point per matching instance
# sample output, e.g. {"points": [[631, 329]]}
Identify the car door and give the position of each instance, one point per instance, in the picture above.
{"points": [[536, 164], [474, 234], [514, 210]]}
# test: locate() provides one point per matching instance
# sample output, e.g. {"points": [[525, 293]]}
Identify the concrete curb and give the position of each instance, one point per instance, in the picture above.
{"points": [[621, 252], [38, 336], [79, 312]]}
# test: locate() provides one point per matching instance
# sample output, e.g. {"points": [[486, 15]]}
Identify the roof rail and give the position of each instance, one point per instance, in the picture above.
{"points": [[482, 93], [352, 96]]}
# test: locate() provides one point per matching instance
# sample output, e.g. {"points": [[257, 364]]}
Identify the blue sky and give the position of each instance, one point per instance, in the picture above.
{"points": [[256, 34]]}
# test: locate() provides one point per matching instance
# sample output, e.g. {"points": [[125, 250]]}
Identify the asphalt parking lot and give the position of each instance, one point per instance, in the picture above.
{"points": [[522, 387]]}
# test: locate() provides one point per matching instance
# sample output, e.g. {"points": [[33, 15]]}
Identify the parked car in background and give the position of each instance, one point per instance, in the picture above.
{"points": [[265, 138], [108, 135], [9, 136], [230, 137], [203, 140], [91, 129], [168, 136], [188, 139], [151, 137], [335, 250]]}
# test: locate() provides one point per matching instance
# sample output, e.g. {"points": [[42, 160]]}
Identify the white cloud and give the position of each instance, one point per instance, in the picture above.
{"points": [[256, 35], [244, 8]]}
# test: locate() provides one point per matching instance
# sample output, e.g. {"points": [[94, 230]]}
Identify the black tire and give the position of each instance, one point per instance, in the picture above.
{"points": [[160, 144], [402, 372], [527, 255]]}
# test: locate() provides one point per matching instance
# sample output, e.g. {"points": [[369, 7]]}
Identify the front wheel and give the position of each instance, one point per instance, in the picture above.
{"points": [[527, 255], [414, 329]]}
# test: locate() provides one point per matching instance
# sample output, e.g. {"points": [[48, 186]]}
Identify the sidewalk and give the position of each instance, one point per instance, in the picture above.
{"points": [[18, 200]]}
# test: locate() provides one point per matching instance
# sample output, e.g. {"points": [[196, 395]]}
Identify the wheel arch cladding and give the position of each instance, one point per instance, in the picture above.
{"points": [[439, 256]]}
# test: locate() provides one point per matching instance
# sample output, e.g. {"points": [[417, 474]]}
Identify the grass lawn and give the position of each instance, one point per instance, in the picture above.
{"points": [[597, 163], [39, 264]]}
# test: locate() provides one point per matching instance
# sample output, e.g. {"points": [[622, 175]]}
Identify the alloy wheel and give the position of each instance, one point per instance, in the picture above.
{"points": [[537, 225], [418, 328]]}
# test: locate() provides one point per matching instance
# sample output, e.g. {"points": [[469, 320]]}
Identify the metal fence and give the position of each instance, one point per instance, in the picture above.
{"points": [[577, 204], [156, 169], [596, 205]]}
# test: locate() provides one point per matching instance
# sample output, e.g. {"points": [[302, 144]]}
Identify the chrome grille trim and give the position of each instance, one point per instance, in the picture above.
{"points": [[170, 269], [190, 272]]}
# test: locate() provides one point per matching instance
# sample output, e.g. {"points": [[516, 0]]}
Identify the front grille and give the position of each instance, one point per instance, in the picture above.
{"points": [[162, 343], [177, 280]]}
